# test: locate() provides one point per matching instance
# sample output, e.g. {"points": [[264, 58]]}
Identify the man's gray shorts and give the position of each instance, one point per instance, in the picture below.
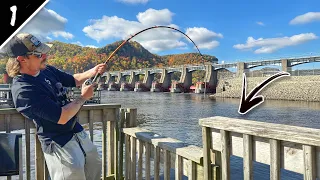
{"points": [[69, 162]]}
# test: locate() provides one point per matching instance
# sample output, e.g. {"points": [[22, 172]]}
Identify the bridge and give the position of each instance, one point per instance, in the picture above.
{"points": [[184, 84]]}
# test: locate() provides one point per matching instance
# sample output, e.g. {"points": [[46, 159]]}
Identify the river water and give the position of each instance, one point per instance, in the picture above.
{"points": [[177, 116]]}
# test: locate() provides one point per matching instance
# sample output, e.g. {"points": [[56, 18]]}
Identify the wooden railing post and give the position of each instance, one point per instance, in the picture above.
{"points": [[112, 144], [127, 118], [39, 159], [206, 140], [116, 141], [132, 117], [104, 144], [121, 142], [27, 146]]}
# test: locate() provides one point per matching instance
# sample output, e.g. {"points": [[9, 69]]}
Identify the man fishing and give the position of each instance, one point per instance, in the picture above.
{"points": [[38, 92]]}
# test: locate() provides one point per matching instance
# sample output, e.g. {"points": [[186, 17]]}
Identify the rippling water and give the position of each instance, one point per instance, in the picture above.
{"points": [[177, 116]]}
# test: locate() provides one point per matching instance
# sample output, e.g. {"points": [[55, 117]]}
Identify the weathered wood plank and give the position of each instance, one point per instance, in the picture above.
{"points": [[17, 121], [309, 162], [167, 165], [121, 143], [192, 170], [104, 144], [101, 106], [148, 158], [116, 141], [128, 156], [247, 157], [110, 144], [84, 107], [7, 123], [7, 128], [39, 160], [140, 160], [27, 148], [84, 116], [157, 163], [275, 159], [178, 168], [133, 116], [206, 141], [302, 135], [291, 154], [133, 158], [185, 150], [20, 160], [225, 154], [91, 119], [46, 171]]}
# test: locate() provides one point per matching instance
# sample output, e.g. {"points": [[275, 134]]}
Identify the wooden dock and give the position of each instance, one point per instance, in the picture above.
{"points": [[130, 152]]}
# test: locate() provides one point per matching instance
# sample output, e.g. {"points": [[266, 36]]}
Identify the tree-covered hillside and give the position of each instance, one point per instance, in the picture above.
{"points": [[73, 58]]}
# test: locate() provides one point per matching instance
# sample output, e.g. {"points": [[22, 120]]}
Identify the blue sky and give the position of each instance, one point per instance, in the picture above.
{"points": [[231, 30]]}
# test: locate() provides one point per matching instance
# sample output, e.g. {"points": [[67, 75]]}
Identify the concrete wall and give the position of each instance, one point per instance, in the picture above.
{"points": [[301, 88]]}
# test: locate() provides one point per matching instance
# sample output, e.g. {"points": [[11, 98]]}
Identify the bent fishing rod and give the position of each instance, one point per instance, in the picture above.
{"points": [[97, 76]]}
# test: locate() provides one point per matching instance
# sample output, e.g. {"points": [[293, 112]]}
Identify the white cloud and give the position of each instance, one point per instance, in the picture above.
{"points": [[306, 18], [80, 44], [260, 23], [270, 45], [153, 17], [203, 37], [154, 40], [133, 1], [63, 34], [161, 45], [91, 46], [47, 22]]}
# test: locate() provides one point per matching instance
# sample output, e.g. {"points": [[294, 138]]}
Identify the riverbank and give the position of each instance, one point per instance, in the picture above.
{"points": [[294, 88]]}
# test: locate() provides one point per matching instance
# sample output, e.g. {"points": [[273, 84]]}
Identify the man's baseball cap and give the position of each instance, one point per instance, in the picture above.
{"points": [[23, 43]]}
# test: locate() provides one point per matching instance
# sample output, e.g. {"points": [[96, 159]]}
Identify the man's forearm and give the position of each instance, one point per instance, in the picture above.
{"points": [[70, 110], [81, 77]]}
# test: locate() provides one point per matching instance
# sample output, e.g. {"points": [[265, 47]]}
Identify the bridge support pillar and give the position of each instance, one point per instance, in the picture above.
{"points": [[241, 68], [146, 83], [130, 85], [147, 80], [210, 81], [110, 82], [115, 85], [120, 78], [104, 81], [164, 84], [185, 82], [286, 65]]}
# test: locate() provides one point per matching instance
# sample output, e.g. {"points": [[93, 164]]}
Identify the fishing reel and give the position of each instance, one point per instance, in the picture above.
{"points": [[88, 82]]}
